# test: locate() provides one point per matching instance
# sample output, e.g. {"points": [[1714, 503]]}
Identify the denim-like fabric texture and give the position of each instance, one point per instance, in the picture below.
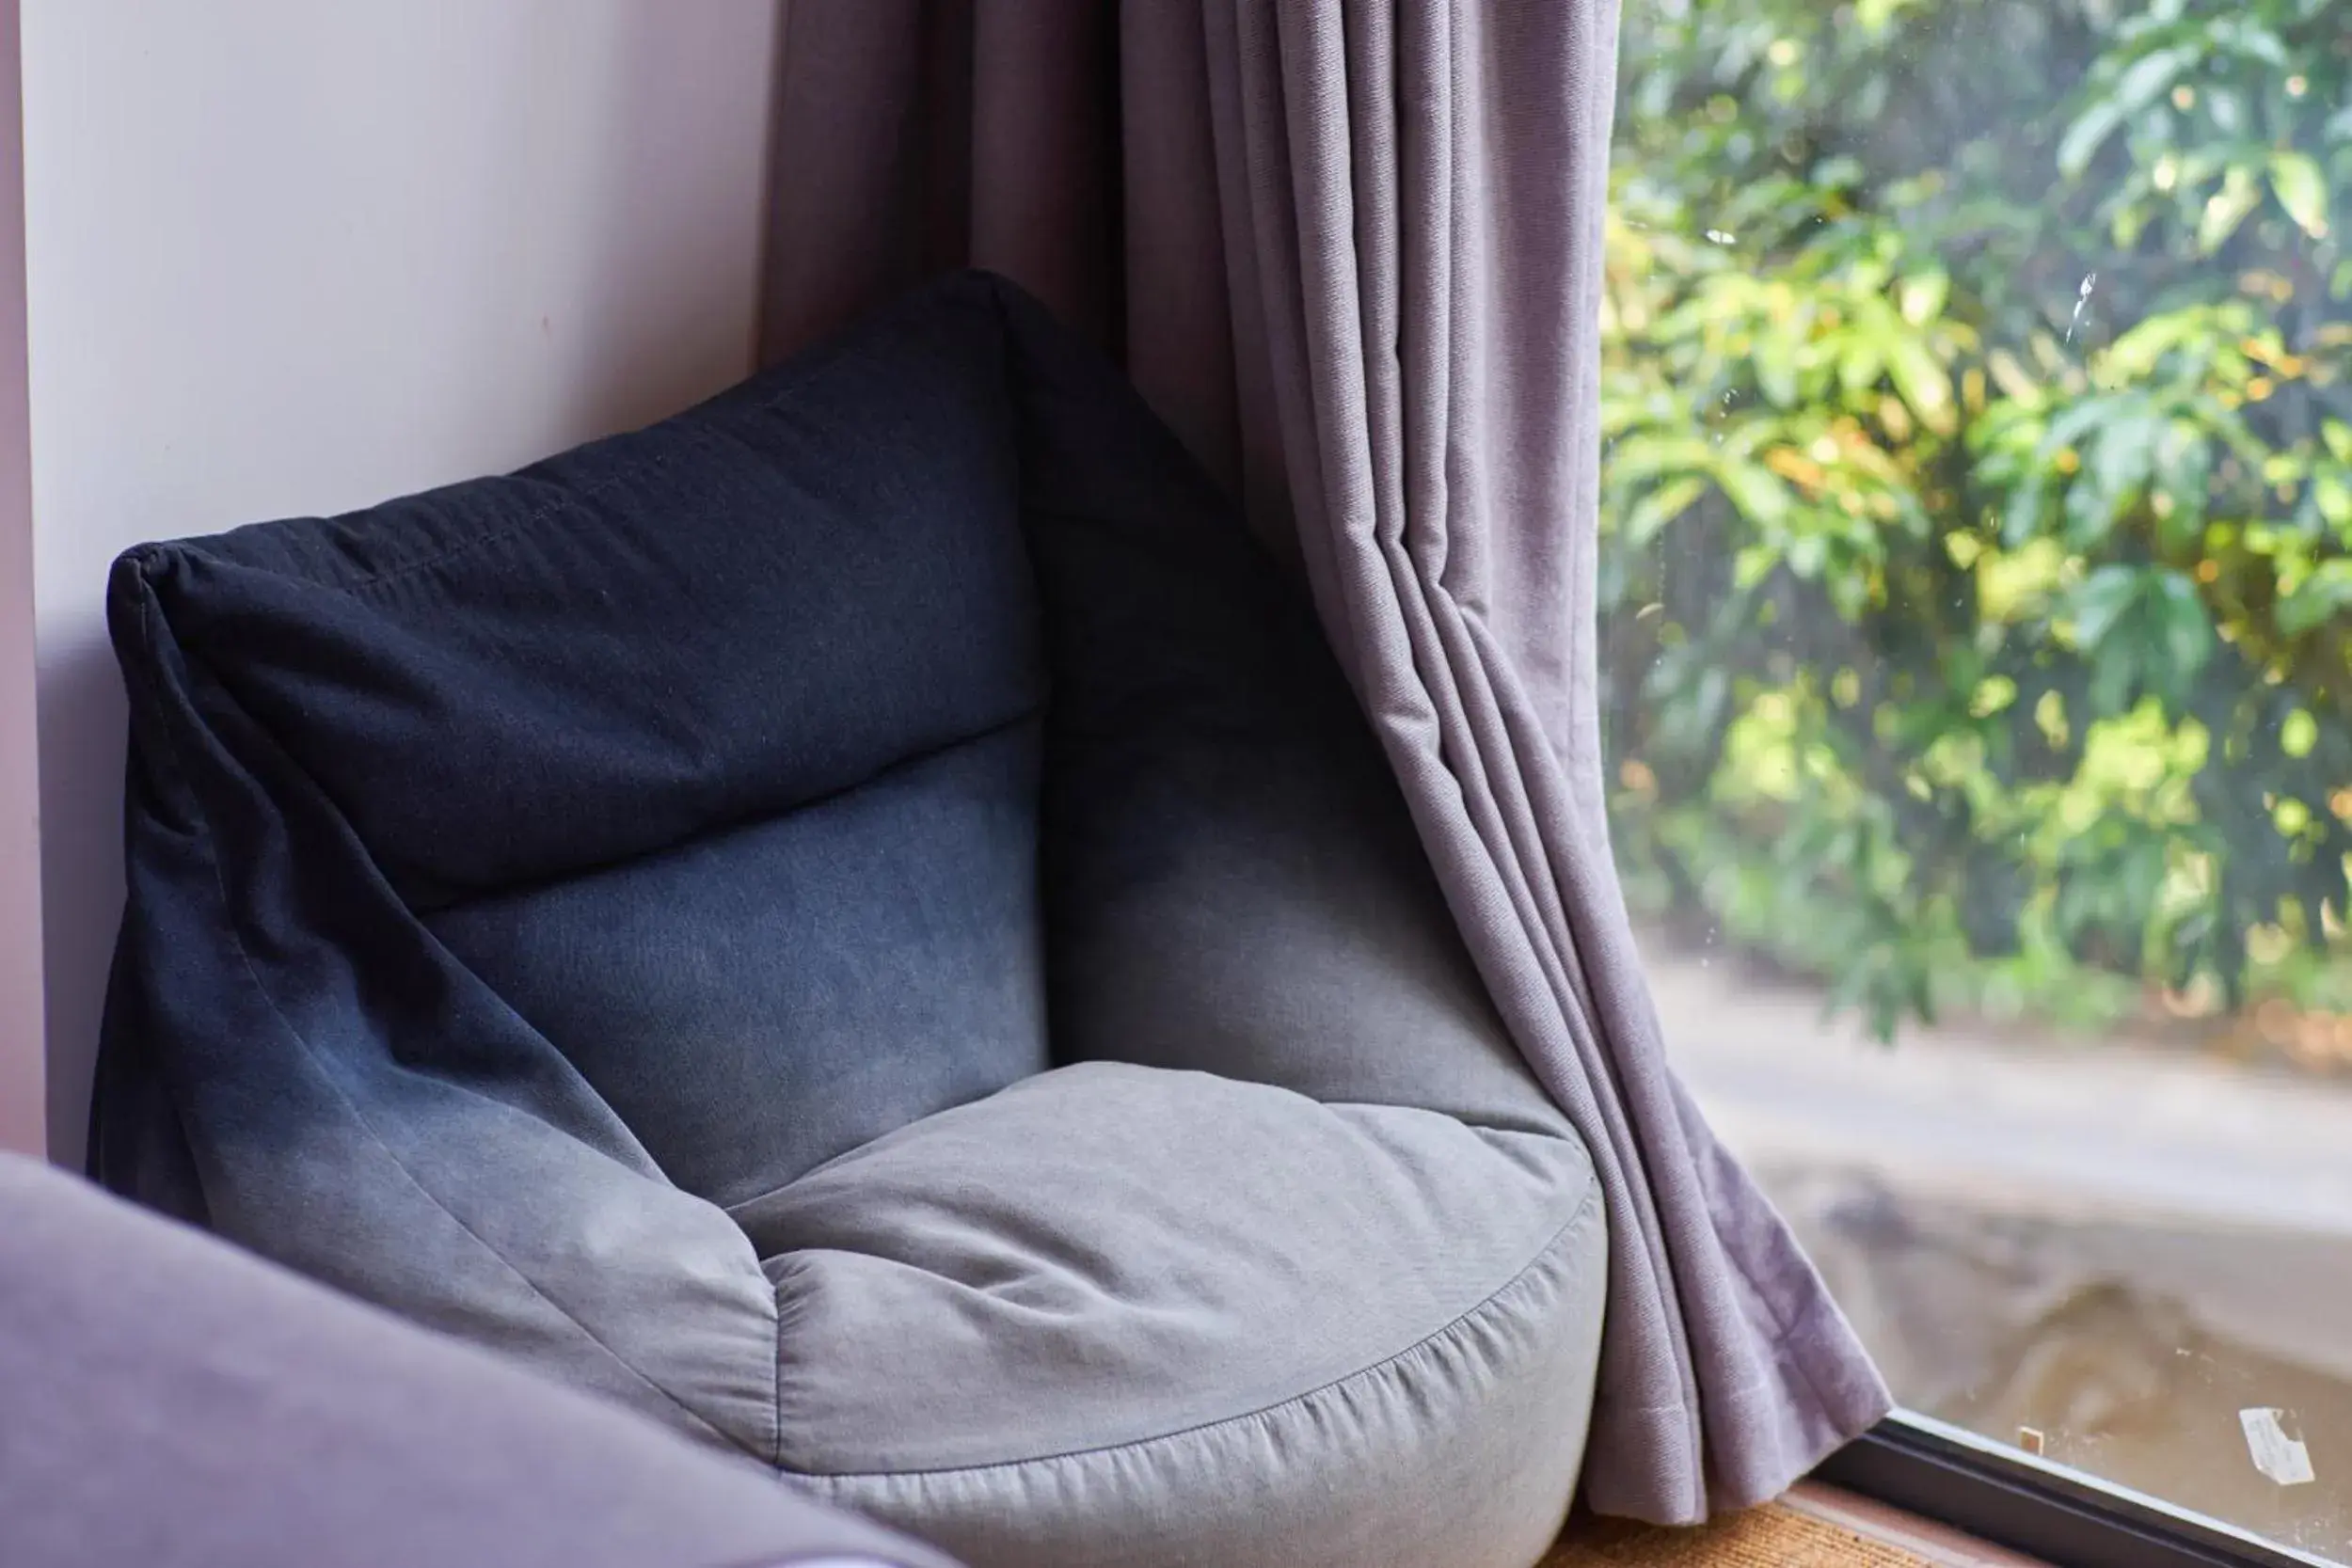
{"points": [[548, 893]]}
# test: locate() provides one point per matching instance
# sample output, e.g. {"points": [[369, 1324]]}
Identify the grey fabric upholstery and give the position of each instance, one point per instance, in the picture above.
{"points": [[167, 1401], [743, 916], [1123, 1315]]}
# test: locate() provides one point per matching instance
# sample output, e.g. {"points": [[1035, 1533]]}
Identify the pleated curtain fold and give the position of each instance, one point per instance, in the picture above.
{"points": [[1351, 251]]}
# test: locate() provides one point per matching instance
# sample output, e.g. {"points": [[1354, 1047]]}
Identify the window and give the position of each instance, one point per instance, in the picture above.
{"points": [[1976, 620]]}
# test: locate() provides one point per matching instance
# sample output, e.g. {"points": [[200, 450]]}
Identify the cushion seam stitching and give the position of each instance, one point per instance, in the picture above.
{"points": [[886, 773], [731, 1210]]}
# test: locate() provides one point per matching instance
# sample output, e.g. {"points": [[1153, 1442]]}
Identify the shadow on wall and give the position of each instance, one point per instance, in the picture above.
{"points": [[81, 731], [516, 227]]}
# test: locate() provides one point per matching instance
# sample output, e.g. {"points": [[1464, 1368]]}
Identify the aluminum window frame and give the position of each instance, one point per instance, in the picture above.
{"points": [[2066, 1517]]}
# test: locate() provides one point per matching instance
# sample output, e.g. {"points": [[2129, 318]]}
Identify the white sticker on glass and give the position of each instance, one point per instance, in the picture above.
{"points": [[2283, 1458]]}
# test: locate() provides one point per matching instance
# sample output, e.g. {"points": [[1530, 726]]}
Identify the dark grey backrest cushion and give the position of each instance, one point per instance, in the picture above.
{"points": [[700, 762]]}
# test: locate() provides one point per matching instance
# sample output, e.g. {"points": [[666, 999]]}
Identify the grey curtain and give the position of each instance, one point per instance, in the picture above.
{"points": [[1351, 251]]}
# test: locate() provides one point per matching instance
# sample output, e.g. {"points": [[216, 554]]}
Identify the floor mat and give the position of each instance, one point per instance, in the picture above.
{"points": [[1774, 1536]]}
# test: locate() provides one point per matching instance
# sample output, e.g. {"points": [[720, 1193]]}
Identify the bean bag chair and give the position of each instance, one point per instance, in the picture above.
{"points": [[864, 922], [172, 1403]]}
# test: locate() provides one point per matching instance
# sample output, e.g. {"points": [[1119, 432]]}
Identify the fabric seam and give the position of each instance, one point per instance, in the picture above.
{"points": [[831, 794]]}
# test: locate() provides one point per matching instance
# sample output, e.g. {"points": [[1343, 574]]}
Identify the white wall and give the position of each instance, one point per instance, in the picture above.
{"points": [[21, 1104], [295, 255]]}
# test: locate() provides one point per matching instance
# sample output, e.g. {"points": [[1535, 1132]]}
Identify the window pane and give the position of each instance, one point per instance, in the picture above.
{"points": [[1976, 621]]}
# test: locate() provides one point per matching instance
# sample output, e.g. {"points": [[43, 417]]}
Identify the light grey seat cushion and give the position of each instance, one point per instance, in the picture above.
{"points": [[1126, 1315]]}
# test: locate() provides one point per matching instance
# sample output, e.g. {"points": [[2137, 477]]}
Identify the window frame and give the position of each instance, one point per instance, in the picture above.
{"points": [[2033, 1505]]}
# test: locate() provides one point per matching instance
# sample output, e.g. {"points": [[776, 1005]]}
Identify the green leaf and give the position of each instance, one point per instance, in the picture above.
{"points": [[2226, 108], [2226, 209], [1922, 296], [2139, 350], [1776, 373], [2252, 38], [1807, 554], [2298, 734], [2100, 601], [1860, 365], [2090, 511], [2126, 445], [1659, 507], [1755, 490], [1923, 383], [2021, 519], [2328, 590], [2185, 629], [1752, 564], [2083, 139], [2333, 495], [2302, 190], [2133, 91], [1646, 457]]}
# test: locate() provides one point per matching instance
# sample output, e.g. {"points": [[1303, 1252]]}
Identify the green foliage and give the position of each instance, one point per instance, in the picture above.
{"points": [[1977, 555]]}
